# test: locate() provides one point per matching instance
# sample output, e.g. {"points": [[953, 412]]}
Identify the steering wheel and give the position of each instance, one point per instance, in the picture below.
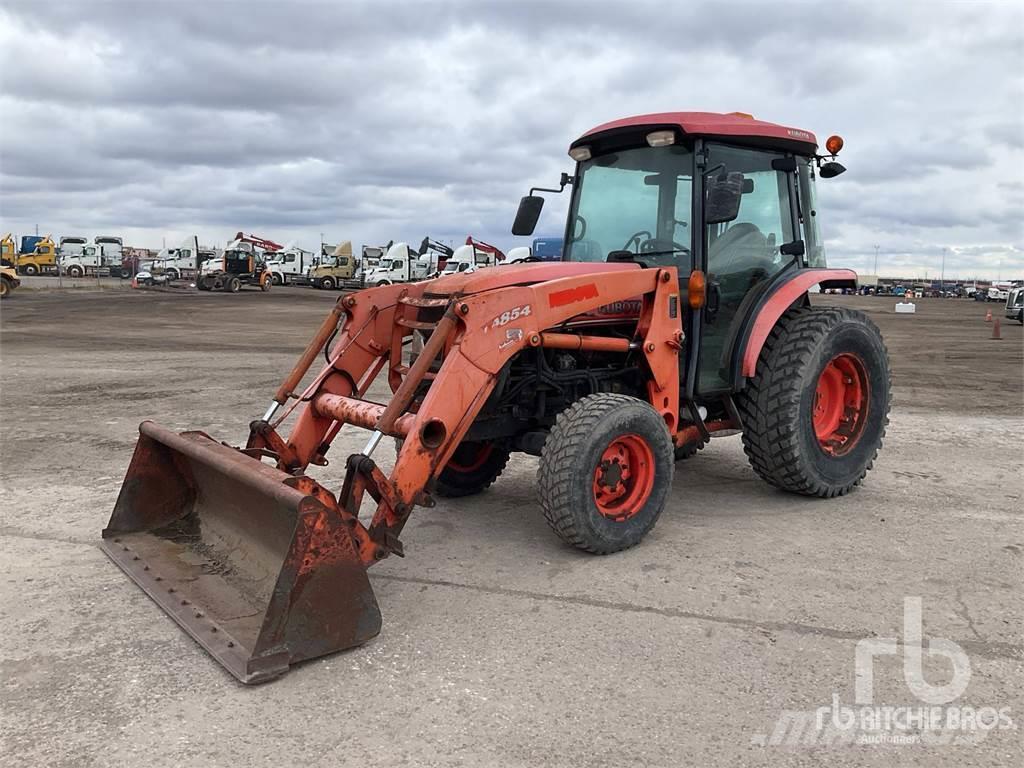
{"points": [[639, 238]]}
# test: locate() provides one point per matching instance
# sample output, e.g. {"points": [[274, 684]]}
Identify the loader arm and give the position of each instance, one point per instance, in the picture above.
{"points": [[473, 339], [263, 565]]}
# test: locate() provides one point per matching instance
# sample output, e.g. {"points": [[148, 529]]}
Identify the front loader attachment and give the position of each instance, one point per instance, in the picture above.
{"points": [[260, 573]]}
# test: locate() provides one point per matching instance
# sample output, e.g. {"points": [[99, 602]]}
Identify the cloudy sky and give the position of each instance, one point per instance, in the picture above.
{"points": [[377, 121]]}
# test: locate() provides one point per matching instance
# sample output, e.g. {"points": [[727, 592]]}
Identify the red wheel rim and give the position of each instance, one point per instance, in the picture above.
{"points": [[623, 478], [840, 404], [470, 456]]}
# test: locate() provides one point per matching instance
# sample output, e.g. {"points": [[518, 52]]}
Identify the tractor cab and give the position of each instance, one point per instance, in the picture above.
{"points": [[727, 200]]}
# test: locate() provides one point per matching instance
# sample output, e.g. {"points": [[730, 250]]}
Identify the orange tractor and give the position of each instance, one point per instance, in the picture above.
{"points": [[680, 310]]}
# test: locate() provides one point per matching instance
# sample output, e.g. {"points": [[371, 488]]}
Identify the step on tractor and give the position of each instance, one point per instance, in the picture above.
{"points": [[679, 311]]}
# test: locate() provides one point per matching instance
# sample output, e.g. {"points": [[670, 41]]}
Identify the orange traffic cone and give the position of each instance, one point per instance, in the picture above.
{"points": [[995, 330], [135, 284], [988, 316]]}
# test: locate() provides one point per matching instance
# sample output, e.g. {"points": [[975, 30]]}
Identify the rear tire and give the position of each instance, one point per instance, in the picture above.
{"points": [[689, 450], [815, 412], [605, 472], [472, 468]]}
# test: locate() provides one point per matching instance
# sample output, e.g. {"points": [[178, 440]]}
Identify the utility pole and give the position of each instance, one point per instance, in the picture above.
{"points": [[876, 261], [943, 278]]}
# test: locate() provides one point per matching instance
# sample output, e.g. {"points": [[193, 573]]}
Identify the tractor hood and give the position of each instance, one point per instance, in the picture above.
{"points": [[490, 278]]}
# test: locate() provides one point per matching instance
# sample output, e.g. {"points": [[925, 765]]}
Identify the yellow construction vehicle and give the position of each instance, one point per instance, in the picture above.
{"points": [[8, 281]]}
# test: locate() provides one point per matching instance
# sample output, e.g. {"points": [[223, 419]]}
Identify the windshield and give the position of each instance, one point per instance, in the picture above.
{"points": [[635, 200]]}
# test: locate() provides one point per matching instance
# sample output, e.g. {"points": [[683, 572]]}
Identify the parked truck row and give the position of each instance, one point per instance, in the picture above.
{"points": [[213, 268], [72, 255]]}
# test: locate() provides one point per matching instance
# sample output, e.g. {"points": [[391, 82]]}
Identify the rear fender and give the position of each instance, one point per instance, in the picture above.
{"points": [[774, 304]]}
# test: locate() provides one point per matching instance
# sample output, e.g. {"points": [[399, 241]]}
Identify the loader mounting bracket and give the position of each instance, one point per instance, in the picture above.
{"points": [[363, 476], [262, 436]]}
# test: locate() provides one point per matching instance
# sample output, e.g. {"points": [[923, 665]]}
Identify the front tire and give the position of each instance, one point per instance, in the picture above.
{"points": [[327, 284], [605, 472], [233, 285], [31, 270], [73, 272], [815, 412]]}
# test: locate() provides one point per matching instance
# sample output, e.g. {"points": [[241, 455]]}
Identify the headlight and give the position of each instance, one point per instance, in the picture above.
{"points": [[661, 138], [579, 154]]}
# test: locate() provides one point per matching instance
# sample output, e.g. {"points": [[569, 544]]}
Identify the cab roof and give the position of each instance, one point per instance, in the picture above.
{"points": [[728, 126]]}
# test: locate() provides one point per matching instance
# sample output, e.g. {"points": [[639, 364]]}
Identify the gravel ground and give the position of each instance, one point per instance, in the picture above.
{"points": [[500, 645]]}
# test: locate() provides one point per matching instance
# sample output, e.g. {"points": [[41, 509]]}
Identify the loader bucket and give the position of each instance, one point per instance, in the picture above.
{"points": [[262, 575]]}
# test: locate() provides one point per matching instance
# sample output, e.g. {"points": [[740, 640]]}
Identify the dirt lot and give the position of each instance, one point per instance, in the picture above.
{"points": [[501, 646]]}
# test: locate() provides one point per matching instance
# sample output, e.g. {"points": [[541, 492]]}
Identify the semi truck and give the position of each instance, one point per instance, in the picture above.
{"points": [[1015, 305], [90, 260], [402, 264], [40, 260], [334, 270], [473, 255], [72, 245], [369, 258], [291, 264], [8, 251], [174, 263]]}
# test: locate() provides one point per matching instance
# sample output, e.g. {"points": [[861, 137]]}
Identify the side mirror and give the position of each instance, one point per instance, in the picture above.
{"points": [[722, 202], [527, 215]]}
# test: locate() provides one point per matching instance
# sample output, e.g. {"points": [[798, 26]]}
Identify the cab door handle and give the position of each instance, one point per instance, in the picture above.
{"points": [[714, 301]]}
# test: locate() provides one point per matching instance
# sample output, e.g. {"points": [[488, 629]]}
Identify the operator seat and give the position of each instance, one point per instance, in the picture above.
{"points": [[740, 257]]}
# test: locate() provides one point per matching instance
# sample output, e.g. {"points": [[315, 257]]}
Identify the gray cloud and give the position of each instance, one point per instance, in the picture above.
{"points": [[378, 120]]}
